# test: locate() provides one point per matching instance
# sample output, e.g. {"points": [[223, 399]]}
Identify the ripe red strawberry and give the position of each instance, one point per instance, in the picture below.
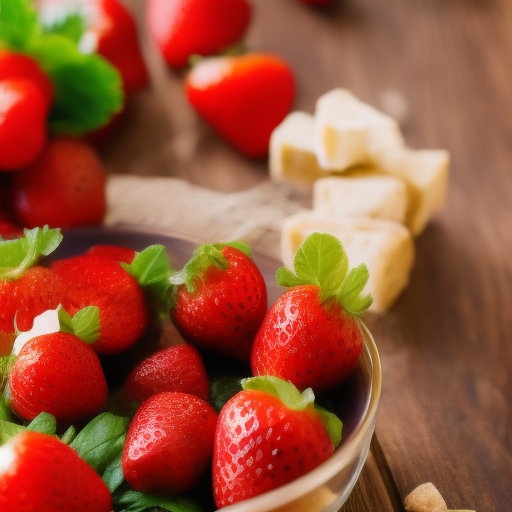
{"points": [[59, 374], [19, 66], [169, 443], [23, 111], [64, 187], [96, 281], [311, 335], [243, 98], [113, 253], [42, 473], [221, 300], [181, 28], [177, 368], [7, 229], [268, 435]]}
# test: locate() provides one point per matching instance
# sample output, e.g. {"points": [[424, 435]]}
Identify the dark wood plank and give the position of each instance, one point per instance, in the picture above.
{"points": [[446, 347]]}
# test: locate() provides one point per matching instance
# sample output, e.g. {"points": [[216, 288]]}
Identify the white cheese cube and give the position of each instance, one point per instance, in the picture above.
{"points": [[349, 132], [292, 152], [378, 196], [425, 173], [386, 248]]}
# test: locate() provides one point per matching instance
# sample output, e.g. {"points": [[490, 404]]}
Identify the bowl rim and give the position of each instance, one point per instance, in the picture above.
{"points": [[346, 453]]}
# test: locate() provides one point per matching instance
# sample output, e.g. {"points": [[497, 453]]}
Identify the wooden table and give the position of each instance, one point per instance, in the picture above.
{"points": [[446, 346]]}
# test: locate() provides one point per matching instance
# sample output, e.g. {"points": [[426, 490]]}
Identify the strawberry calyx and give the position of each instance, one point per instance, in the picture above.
{"points": [[322, 261], [17, 256], [203, 258], [292, 398]]}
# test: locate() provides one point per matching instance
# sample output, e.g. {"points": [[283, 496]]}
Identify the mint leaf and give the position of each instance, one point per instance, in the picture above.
{"points": [[18, 24], [332, 424], [69, 435], [6, 365], [88, 90], [43, 423], [17, 256], [134, 501], [86, 324], [5, 410], [101, 440], [9, 430], [71, 27], [113, 475], [282, 389], [350, 293], [223, 389]]}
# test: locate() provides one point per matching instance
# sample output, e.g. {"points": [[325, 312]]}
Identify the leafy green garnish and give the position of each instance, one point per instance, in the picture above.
{"points": [[332, 424], [9, 430], [101, 441], [85, 323], [223, 389], [113, 475], [5, 410], [322, 261], [72, 27], [6, 364], [88, 90], [69, 435], [17, 256], [203, 258], [43, 423], [134, 501]]}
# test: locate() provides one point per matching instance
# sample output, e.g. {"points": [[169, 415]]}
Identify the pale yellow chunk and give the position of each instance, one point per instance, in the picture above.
{"points": [[377, 196], [425, 173], [425, 498], [292, 153], [385, 247], [349, 132]]}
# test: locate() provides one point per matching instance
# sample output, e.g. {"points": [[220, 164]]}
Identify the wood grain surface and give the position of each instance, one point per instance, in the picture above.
{"points": [[446, 346]]}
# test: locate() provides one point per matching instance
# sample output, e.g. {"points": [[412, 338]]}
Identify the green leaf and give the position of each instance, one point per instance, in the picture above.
{"points": [[9, 430], [101, 440], [6, 365], [113, 475], [18, 24], [134, 501], [223, 389], [282, 389], [65, 321], [43, 423], [285, 277], [88, 90], [5, 410], [17, 256], [350, 293], [71, 27], [241, 246], [86, 324], [332, 424], [69, 435]]}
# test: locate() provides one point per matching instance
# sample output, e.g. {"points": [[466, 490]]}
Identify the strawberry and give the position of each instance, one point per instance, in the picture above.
{"points": [[7, 229], [23, 112], [311, 335], [42, 473], [177, 368], [181, 28], [243, 98], [221, 299], [268, 435], [59, 374], [20, 66], [169, 443], [64, 187], [97, 281], [113, 253]]}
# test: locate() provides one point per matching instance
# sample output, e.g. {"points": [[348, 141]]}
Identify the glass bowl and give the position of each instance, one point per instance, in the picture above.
{"points": [[356, 401]]}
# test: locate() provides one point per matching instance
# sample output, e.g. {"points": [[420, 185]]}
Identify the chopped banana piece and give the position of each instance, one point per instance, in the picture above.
{"points": [[377, 196], [425, 172], [349, 132], [386, 247], [292, 152], [425, 498]]}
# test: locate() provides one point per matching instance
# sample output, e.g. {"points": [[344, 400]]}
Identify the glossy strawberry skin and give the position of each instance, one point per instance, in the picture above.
{"points": [[243, 98], [36, 291], [226, 309], [23, 113], [45, 475], [181, 28], [306, 343], [169, 443], [8, 230], [178, 368], [19, 66], [59, 374], [96, 281], [113, 252], [260, 444], [64, 187]]}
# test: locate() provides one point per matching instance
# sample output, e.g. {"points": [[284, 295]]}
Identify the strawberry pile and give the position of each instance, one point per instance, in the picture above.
{"points": [[73, 439]]}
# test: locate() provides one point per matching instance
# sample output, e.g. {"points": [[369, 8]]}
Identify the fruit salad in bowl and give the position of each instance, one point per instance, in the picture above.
{"points": [[142, 372]]}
